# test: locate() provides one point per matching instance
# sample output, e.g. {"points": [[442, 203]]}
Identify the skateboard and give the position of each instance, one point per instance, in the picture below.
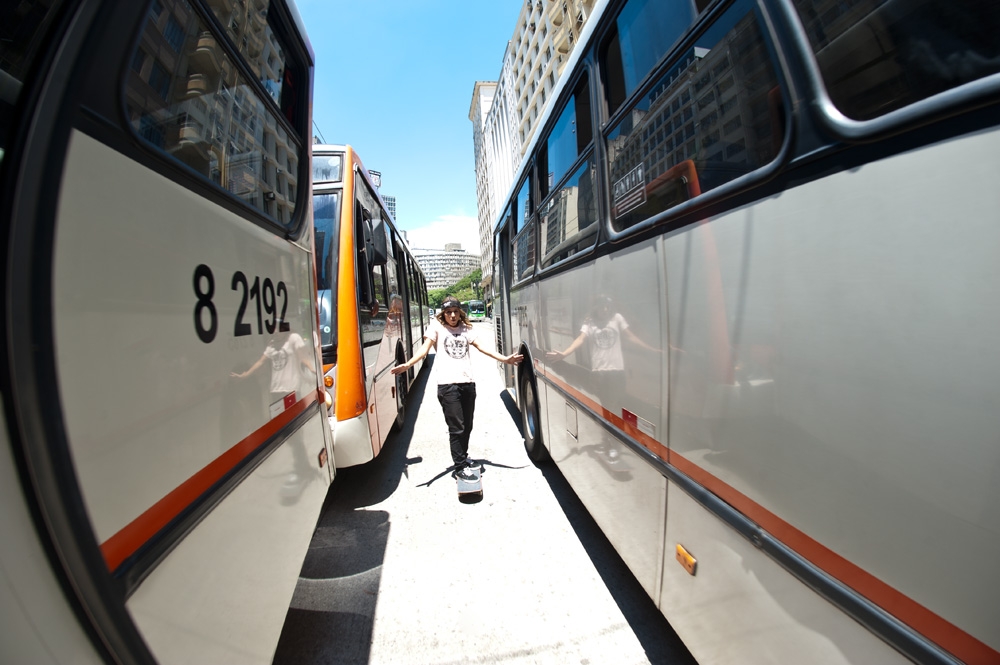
{"points": [[471, 491]]}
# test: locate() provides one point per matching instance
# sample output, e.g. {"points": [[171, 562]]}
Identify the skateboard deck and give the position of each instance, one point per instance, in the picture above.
{"points": [[471, 489]]}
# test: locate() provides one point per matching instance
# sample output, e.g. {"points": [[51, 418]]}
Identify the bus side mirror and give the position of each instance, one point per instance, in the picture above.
{"points": [[380, 249]]}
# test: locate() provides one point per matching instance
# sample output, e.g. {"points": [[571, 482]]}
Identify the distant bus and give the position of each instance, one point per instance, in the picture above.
{"points": [[164, 449], [475, 309], [373, 305], [751, 259]]}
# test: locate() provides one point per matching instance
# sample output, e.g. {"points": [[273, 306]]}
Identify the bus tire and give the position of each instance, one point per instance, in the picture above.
{"points": [[527, 398]]}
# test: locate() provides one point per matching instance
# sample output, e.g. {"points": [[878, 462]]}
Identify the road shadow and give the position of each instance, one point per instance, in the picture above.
{"points": [[375, 481], [331, 616], [651, 628], [512, 410]]}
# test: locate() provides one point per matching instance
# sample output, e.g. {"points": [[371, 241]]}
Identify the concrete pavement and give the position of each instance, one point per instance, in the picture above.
{"points": [[400, 573]]}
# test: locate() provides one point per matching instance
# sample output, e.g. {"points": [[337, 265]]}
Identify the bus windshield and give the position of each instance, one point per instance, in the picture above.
{"points": [[326, 218]]}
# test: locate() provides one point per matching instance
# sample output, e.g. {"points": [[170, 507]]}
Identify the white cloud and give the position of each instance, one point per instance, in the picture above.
{"points": [[447, 229]]}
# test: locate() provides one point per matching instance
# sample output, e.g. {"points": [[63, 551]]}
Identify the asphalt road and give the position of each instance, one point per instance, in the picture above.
{"points": [[401, 572]]}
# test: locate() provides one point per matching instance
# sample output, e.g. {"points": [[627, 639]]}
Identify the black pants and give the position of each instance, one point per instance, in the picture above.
{"points": [[458, 400]]}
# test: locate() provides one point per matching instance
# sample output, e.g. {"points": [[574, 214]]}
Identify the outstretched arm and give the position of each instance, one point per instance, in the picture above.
{"points": [[559, 355], [253, 368], [632, 337], [421, 353], [512, 359]]}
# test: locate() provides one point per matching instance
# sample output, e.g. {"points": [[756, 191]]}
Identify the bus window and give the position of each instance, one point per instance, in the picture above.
{"points": [[22, 45], [566, 220], [645, 32], [264, 51], [569, 137], [876, 56], [186, 97], [523, 254], [326, 219], [327, 168], [712, 114], [522, 205]]}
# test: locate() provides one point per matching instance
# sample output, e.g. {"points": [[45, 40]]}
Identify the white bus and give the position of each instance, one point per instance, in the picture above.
{"points": [[751, 260], [164, 453]]}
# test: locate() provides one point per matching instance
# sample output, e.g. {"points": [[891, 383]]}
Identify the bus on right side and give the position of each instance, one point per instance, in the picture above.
{"points": [[751, 259]]}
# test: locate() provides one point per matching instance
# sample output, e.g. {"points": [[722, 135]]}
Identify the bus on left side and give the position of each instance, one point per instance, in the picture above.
{"points": [[164, 450]]}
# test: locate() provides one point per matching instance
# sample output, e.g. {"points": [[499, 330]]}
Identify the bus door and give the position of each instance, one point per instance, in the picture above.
{"points": [[373, 303], [408, 293], [501, 317]]}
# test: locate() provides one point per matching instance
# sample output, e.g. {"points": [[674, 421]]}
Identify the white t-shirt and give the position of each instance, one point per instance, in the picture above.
{"points": [[286, 370], [606, 344], [453, 363]]}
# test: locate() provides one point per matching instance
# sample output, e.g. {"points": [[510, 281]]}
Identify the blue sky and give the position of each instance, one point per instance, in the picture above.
{"points": [[394, 78]]}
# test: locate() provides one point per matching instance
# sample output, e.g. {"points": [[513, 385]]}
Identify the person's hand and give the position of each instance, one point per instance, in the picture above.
{"points": [[513, 359], [555, 355], [399, 369]]}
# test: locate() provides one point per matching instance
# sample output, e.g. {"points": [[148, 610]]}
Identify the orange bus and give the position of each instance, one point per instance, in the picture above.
{"points": [[373, 305]]}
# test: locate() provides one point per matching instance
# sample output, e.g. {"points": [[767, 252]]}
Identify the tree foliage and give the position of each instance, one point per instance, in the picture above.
{"points": [[462, 289]]}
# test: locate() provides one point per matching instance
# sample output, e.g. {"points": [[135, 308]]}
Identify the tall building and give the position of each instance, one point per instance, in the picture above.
{"points": [[390, 203], [487, 192], [445, 267], [505, 113]]}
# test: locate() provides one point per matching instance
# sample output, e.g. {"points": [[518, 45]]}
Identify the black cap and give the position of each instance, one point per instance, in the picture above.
{"points": [[450, 302]]}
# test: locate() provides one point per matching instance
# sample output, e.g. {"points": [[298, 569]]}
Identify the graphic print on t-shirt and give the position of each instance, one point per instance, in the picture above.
{"points": [[278, 360], [606, 338], [456, 346]]}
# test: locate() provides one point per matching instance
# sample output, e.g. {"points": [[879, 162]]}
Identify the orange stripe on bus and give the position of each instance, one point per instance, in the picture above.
{"points": [[935, 628], [142, 529], [350, 400]]}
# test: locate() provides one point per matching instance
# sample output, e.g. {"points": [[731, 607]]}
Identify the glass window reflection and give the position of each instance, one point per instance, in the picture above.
{"points": [[196, 106], [714, 114], [522, 206], [877, 56], [327, 168], [326, 220], [567, 221]]}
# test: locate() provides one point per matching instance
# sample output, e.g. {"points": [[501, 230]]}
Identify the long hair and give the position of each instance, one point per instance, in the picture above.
{"points": [[462, 316]]}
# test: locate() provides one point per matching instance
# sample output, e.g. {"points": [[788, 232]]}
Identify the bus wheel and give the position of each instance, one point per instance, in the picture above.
{"points": [[530, 423]]}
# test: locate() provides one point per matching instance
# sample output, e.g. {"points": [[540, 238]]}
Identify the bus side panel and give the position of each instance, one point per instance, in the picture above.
{"points": [[223, 593], [38, 625], [741, 607], [617, 380], [859, 423], [166, 402]]}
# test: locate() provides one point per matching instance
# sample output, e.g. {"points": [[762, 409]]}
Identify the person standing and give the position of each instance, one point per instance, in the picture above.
{"points": [[452, 335]]}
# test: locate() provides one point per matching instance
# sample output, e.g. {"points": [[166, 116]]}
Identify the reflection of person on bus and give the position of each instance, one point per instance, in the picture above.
{"points": [[394, 317], [290, 363], [451, 334], [604, 330]]}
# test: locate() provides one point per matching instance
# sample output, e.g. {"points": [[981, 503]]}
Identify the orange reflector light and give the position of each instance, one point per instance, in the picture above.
{"points": [[328, 381], [686, 560]]}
